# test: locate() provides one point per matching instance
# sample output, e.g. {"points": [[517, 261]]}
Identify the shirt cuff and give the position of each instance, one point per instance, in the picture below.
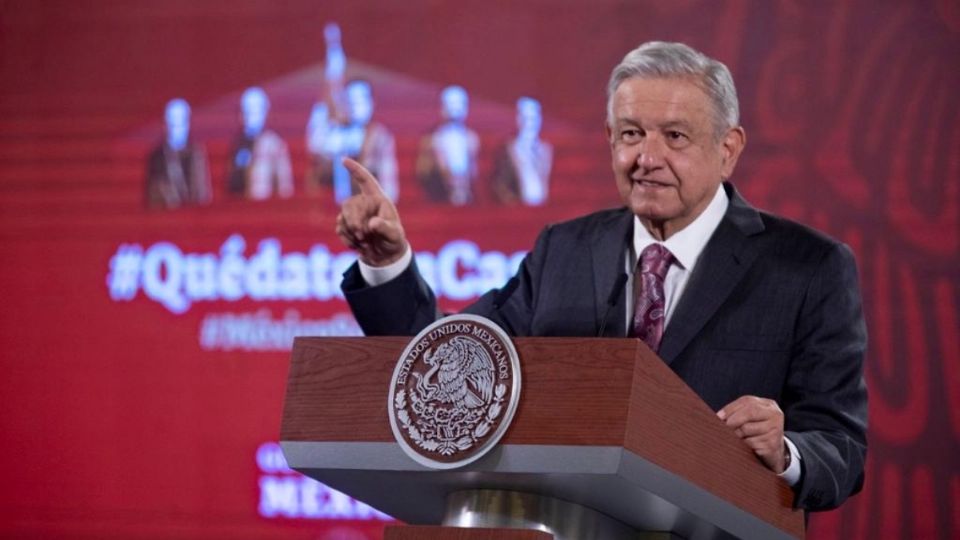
{"points": [[378, 275], [792, 473]]}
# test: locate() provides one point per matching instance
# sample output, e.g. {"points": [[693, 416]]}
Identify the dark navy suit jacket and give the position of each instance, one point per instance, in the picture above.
{"points": [[772, 309]]}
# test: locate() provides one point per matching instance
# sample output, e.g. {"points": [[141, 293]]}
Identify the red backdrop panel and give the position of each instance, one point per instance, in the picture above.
{"points": [[136, 405]]}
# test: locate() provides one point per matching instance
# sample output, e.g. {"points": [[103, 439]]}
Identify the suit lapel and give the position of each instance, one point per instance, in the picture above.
{"points": [[722, 265], [610, 241]]}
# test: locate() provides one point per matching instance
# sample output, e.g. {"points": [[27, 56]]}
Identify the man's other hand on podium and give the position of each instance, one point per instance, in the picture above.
{"points": [[759, 422]]}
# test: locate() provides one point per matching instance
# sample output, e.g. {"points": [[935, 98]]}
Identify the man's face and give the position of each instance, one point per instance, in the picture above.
{"points": [[667, 158]]}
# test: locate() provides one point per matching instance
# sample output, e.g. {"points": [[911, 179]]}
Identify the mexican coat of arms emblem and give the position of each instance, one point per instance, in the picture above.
{"points": [[454, 391]]}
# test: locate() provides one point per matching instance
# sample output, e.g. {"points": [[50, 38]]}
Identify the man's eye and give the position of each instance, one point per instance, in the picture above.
{"points": [[676, 135], [630, 134]]}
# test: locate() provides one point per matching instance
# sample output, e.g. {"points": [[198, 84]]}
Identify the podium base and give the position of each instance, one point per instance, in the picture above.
{"points": [[487, 508]]}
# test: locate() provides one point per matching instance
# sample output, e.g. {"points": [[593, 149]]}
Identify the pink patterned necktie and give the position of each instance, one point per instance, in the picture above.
{"points": [[648, 284]]}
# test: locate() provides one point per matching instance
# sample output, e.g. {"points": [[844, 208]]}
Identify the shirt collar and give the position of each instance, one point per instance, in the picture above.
{"points": [[687, 243]]}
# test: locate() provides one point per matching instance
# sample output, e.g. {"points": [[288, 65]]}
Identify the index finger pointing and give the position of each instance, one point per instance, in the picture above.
{"points": [[365, 180]]}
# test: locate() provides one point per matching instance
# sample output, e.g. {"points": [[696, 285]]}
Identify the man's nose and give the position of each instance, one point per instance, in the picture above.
{"points": [[651, 153]]}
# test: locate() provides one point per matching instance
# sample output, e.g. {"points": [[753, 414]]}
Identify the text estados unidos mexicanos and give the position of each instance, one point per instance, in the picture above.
{"points": [[457, 271]]}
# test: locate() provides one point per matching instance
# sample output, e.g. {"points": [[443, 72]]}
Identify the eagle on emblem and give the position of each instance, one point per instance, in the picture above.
{"points": [[464, 372]]}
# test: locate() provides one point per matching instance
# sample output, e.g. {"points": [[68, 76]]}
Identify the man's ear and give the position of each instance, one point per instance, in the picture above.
{"points": [[608, 132], [732, 145]]}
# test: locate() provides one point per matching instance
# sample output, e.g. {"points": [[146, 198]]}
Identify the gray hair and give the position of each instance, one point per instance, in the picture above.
{"points": [[663, 60]]}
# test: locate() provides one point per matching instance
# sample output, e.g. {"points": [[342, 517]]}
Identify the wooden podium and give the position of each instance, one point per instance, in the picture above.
{"points": [[602, 424]]}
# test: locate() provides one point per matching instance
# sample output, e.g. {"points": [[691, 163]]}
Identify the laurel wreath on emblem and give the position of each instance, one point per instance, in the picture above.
{"points": [[432, 441]]}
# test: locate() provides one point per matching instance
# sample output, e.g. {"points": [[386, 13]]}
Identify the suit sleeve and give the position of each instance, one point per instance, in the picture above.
{"points": [[826, 396], [400, 307], [406, 304]]}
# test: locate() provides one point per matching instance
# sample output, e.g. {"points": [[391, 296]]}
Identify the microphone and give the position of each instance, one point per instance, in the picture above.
{"points": [[612, 300]]}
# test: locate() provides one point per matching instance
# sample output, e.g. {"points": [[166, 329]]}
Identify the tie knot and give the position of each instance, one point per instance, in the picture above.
{"points": [[655, 260]]}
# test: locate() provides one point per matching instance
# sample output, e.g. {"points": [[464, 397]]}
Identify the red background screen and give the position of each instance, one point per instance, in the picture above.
{"points": [[136, 406]]}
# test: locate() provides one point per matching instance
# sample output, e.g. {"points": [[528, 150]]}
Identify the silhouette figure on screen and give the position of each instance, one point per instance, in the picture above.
{"points": [[259, 161], [522, 164], [447, 161], [342, 125], [177, 172]]}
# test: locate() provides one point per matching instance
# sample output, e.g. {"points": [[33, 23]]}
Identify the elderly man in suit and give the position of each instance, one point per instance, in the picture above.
{"points": [[758, 315]]}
